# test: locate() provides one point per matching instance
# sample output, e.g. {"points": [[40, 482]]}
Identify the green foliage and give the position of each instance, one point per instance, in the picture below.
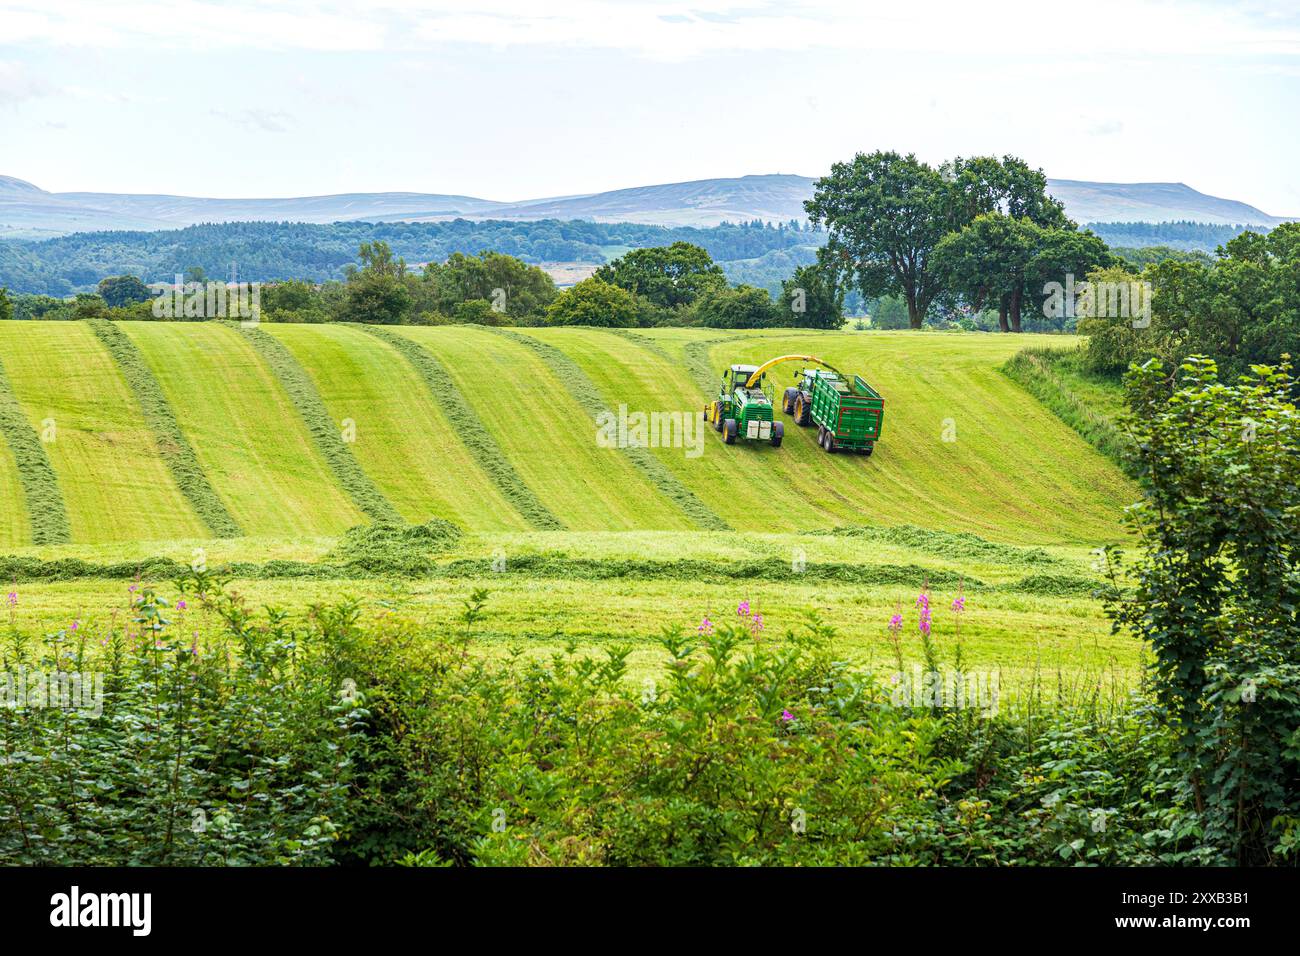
{"points": [[1216, 591], [1138, 258], [274, 251], [326, 434], [594, 301], [471, 430], [1004, 263], [377, 293], [1185, 236], [885, 214], [811, 299], [46, 511], [173, 447], [656, 472], [488, 289], [236, 752], [668, 276], [742, 307], [1241, 311], [118, 291], [6, 306], [293, 300]]}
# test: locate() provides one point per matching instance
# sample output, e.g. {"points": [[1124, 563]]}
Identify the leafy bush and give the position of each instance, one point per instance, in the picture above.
{"points": [[1216, 591]]}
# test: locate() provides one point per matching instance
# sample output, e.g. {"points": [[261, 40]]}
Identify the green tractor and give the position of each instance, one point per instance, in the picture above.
{"points": [[743, 408]]}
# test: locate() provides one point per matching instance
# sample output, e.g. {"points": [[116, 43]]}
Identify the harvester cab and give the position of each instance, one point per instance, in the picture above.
{"points": [[743, 408]]}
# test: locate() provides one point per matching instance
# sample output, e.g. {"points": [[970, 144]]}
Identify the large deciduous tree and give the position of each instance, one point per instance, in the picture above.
{"points": [[884, 214]]}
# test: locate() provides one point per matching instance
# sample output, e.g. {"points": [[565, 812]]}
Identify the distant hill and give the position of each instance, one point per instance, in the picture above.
{"points": [[1152, 202], [27, 211]]}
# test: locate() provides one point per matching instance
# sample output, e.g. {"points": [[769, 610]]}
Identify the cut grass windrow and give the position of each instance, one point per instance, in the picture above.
{"points": [[46, 512], [586, 395], [306, 399], [172, 444], [554, 567], [697, 363], [471, 430]]}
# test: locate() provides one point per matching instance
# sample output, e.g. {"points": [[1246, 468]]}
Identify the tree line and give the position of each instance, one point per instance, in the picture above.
{"points": [[679, 284]]}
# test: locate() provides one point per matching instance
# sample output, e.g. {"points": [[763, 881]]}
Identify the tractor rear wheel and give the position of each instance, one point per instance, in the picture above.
{"points": [[729, 430], [790, 394], [778, 432], [800, 411]]}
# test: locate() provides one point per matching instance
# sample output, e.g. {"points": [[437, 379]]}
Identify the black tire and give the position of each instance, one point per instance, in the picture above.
{"points": [[821, 435], [868, 450], [716, 418], [830, 442], [802, 414], [729, 430], [790, 394], [778, 432]]}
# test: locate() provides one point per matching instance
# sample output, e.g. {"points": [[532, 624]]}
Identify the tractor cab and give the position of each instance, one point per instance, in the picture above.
{"points": [[739, 375]]}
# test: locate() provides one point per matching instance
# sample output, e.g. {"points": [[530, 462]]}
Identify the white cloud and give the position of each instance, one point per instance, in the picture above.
{"points": [[17, 85], [672, 30]]}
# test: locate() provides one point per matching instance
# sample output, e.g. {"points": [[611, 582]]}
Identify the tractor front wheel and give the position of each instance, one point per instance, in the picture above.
{"points": [[778, 432], [715, 417], [729, 431], [790, 394]]}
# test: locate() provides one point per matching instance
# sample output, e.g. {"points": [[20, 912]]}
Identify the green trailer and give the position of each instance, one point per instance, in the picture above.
{"points": [[848, 412], [743, 408]]}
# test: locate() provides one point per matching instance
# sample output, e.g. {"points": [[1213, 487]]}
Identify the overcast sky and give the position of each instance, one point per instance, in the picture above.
{"points": [[515, 99]]}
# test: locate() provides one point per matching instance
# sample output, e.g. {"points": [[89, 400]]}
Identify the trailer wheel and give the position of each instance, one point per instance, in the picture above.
{"points": [[729, 429], [821, 435], [868, 450], [829, 444], [778, 432], [790, 394]]}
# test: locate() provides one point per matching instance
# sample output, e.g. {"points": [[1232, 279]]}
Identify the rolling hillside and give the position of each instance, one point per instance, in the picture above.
{"points": [[299, 432], [27, 211]]}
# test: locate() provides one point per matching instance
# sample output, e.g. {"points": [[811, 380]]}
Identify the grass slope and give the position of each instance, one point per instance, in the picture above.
{"points": [[471, 430], [1012, 471], [327, 434], [403, 439], [1089, 405], [743, 491], [172, 444], [547, 436], [115, 485], [586, 395], [26, 477], [245, 431]]}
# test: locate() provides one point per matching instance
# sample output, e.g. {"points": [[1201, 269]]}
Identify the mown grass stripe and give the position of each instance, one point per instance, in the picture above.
{"points": [[697, 363], [588, 396], [46, 511], [471, 430], [306, 399], [173, 447]]}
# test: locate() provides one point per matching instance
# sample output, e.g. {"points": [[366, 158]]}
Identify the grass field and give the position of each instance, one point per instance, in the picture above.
{"points": [[114, 482], [975, 484]]}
